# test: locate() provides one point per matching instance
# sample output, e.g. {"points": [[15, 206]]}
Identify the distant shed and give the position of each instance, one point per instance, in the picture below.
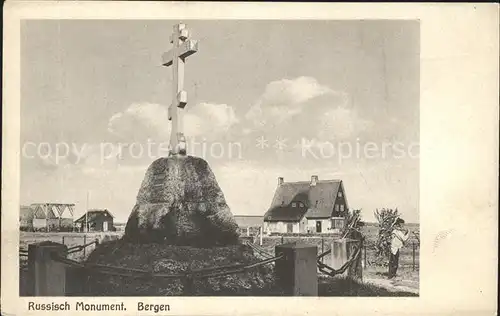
{"points": [[244, 221]]}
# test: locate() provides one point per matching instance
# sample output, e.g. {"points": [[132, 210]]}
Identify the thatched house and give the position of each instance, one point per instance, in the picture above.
{"points": [[307, 207], [98, 220]]}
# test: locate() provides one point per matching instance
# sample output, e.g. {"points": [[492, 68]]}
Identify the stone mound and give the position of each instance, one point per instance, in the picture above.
{"points": [[161, 258], [181, 203]]}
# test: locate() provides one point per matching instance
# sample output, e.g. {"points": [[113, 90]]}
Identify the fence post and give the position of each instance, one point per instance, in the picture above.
{"points": [[322, 247], [364, 251], [355, 271], [297, 272], [84, 242], [248, 231], [282, 240], [260, 234], [413, 244], [46, 277], [63, 240], [342, 249], [188, 285]]}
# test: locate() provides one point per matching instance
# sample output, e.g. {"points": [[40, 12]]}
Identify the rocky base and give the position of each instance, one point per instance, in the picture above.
{"points": [[162, 258], [181, 203]]}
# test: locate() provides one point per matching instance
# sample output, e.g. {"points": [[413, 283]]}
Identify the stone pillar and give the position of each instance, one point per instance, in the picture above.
{"points": [[296, 271], [46, 276], [341, 252]]}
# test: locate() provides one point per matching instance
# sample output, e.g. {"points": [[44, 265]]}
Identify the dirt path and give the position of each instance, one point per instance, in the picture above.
{"points": [[395, 285]]}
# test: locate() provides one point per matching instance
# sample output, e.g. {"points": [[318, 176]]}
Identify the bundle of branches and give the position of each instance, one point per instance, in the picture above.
{"points": [[386, 219], [352, 225]]}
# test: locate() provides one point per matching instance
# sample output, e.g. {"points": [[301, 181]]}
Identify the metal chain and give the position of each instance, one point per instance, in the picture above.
{"points": [[139, 273], [332, 272], [81, 247]]}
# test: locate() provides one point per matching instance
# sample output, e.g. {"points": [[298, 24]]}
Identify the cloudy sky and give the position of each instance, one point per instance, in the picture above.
{"points": [[337, 99]]}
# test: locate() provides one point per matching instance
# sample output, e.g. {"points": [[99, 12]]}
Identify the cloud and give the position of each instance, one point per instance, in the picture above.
{"points": [[285, 98], [341, 123], [209, 118], [142, 121], [294, 91]]}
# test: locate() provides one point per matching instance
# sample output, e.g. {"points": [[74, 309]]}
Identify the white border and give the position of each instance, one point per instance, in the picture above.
{"points": [[459, 153]]}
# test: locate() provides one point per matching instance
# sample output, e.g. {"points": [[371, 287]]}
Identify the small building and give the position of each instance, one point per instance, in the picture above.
{"points": [[249, 225], [95, 220], [47, 217], [307, 207], [245, 221]]}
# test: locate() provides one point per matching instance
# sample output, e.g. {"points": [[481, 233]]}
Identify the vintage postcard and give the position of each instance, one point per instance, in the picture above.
{"points": [[206, 159]]}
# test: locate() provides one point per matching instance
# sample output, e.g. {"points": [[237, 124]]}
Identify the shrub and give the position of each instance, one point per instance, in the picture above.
{"points": [[386, 219], [353, 224]]}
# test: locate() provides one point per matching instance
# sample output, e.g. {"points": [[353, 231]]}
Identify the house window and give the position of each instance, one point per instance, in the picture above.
{"points": [[294, 204], [337, 208], [340, 194], [338, 223], [342, 208]]}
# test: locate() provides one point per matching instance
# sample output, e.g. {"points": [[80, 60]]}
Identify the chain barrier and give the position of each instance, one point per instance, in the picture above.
{"points": [[81, 247], [333, 272], [139, 273], [324, 254], [262, 252], [322, 267], [23, 253]]}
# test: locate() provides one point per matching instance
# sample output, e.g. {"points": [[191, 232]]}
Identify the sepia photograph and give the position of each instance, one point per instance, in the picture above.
{"points": [[219, 158], [196, 158]]}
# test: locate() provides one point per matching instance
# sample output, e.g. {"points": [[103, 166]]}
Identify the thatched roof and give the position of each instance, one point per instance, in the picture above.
{"points": [[285, 214], [319, 200]]}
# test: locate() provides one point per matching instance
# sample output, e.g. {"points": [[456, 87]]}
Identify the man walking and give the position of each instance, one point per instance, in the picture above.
{"points": [[398, 238]]}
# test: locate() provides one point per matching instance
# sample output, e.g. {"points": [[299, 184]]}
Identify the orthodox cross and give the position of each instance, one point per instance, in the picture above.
{"points": [[182, 48]]}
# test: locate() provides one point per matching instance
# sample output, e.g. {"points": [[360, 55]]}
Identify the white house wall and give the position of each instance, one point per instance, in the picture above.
{"points": [[326, 225], [280, 227]]}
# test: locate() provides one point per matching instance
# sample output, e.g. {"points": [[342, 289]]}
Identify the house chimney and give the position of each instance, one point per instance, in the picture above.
{"points": [[280, 181], [314, 180]]}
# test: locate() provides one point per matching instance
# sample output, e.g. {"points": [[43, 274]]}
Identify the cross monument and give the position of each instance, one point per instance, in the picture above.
{"points": [[182, 48]]}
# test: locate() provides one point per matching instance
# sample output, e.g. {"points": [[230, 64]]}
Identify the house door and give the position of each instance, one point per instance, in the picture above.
{"points": [[289, 227], [104, 226], [318, 226]]}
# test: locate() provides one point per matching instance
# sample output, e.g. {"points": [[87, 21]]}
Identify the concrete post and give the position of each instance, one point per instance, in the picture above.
{"points": [[341, 252], [84, 242], [296, 272], [46, 276]]}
